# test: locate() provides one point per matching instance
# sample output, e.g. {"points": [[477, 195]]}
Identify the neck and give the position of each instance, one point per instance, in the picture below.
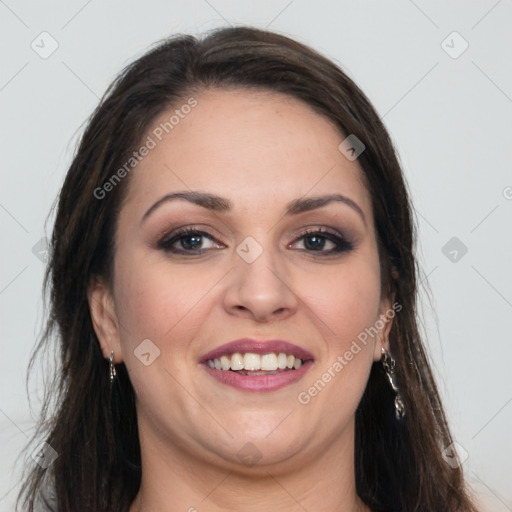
{"points": [[324, 483]]}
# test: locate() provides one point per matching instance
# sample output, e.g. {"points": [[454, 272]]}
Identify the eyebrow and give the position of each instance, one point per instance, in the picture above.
{"points": [[219, 204]]}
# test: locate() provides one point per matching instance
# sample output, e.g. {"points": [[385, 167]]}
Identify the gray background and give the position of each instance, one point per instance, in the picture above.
{"points": [[449, 115]]}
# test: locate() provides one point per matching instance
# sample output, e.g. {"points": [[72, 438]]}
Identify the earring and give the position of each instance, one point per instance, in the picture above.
{"points": [[112, 367], [389, 367]]}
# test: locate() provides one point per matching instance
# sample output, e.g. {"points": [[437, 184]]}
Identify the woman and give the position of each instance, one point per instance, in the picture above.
{"points": [[233, 284]]}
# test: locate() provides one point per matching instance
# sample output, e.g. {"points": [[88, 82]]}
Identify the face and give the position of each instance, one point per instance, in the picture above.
{"points": [[266, 264]]}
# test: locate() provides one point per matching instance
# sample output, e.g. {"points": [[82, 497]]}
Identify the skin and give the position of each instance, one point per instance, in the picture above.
{"points": [[260, 150]]}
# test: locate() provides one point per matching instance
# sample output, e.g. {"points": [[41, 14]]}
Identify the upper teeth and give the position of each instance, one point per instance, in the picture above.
{"points": [[251, 361]]}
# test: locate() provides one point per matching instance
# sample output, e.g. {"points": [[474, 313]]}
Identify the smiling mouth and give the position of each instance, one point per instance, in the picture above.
{"points": [[249, 363]]}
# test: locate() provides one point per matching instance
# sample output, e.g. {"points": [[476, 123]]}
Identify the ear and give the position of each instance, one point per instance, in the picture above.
{"points": [[104, 319], [387, 311]]}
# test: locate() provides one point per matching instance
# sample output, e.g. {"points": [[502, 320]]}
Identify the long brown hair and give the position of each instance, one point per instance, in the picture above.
{"points": [[399, 464]]}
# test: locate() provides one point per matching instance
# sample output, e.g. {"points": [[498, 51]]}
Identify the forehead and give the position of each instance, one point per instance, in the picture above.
{"points": [[261, 149]]}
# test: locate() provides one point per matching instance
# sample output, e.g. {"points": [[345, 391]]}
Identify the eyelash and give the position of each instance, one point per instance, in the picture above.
{"points": [[342, 244]]}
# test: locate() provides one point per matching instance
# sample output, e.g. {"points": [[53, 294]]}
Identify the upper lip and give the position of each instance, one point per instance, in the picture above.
{"points": [[258, 347]]}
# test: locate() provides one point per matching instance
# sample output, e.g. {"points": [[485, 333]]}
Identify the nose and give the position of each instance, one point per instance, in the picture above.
{"points": [[261, 289]]}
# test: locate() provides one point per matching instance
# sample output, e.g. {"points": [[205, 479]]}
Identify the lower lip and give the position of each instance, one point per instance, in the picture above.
{"points": [[259, 383]]}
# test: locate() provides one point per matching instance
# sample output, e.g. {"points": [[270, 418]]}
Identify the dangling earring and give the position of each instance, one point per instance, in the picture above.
{"points": [[389, 366], [112, 367]]}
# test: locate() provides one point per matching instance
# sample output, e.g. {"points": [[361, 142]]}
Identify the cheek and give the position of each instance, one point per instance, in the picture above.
{"points": [[346, 305], [346, 300], [163, 305], [159, 301]]}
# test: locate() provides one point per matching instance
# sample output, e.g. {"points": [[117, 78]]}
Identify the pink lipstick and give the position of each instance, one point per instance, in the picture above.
{"points": [[256, 365]]}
